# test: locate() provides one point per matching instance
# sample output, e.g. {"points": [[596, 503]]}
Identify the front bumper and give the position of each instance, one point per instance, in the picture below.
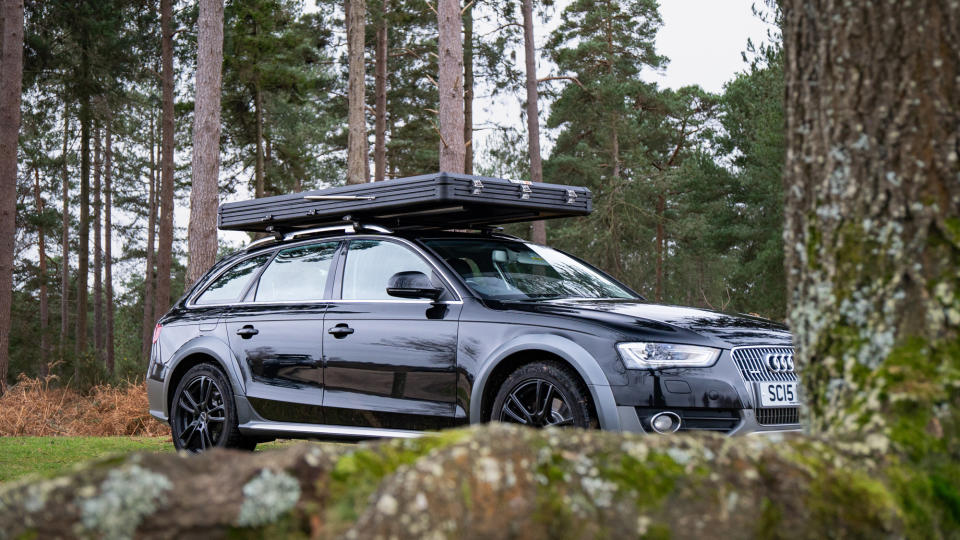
{"points": [[716, 399]]}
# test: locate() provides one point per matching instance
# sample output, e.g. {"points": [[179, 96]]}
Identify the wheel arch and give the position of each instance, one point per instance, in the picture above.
{"points": [[529, 347], [201, 350]]}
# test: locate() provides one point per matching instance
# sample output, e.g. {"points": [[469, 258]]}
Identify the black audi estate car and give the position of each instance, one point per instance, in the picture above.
{"points": [[352, 332]]}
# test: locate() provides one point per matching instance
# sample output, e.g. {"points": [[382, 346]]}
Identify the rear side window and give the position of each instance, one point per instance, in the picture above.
{"points": [[231, 284], [297, 274]]}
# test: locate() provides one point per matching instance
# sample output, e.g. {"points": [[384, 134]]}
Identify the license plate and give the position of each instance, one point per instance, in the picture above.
{"points": [[778, 394]]}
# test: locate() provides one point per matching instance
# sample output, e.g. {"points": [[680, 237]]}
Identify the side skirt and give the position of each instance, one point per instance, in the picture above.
{"points": [[295, 430]]}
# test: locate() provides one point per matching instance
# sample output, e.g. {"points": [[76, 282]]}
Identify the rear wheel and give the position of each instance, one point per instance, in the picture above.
{"points": [[542, 394], [204, 413]]}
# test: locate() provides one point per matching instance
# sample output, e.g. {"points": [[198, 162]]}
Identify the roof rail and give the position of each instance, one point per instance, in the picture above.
{"points": [[260, 242], [347, 228], [508, 236]]}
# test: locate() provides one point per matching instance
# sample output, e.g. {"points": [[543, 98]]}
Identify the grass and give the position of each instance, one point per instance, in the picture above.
{"points": [[48, 456]]}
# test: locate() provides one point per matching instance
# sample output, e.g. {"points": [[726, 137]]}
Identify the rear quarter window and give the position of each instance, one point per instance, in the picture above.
{"points": [[230, 285]]}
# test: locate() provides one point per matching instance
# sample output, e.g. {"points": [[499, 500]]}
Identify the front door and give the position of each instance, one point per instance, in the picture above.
{"points": [[276, 334], [389, 362]]}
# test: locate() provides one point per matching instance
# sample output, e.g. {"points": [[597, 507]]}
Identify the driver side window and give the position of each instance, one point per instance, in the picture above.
{"points": [[371, 263]]}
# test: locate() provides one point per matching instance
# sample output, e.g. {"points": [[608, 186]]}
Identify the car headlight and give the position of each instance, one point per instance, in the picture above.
{"points": [[649, 355]]}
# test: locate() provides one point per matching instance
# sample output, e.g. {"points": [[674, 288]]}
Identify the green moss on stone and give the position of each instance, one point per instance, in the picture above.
{"points": [[357, 475]]}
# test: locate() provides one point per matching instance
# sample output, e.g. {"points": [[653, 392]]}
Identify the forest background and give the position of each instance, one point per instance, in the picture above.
{"points": [[687, 183]]}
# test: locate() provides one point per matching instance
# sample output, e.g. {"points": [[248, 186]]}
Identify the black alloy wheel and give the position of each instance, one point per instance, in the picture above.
{"points": [[204, 415], [543, 394]]}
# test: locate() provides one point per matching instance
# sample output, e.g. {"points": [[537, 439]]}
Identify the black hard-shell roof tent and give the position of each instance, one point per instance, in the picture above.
{"points": [[438, 201]]}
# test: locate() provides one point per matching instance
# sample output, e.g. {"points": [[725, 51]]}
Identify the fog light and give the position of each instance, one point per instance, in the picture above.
{"points": [[665, 422]]}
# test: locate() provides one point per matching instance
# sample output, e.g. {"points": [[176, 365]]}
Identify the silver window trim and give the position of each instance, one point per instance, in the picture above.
{"points": [[190, 304]]}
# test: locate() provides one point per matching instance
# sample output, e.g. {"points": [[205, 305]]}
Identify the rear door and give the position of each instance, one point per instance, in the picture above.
{"points": [[276, 333], [389, 362]]}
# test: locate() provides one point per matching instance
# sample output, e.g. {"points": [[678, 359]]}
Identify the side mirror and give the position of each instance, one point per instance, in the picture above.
{"points": [[412, 285]]}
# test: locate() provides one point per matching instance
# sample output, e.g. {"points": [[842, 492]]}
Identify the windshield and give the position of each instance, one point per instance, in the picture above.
{"points": [[507, 270]]}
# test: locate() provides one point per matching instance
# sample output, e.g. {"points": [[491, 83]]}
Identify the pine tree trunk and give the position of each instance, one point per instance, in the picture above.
{"points": [[165, 243], [11, 79], [380, 82], [356, 14], [538, 229], [149, 278], [873, 215], [450, 82], [97, 245], [661, 243], [83, 249], [258, 172], [44, 357], [468, 89], [65, 239], [108, 247], [202, 235]]}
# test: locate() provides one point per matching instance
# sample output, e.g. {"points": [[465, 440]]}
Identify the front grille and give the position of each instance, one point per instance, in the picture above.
{"points": [[719, 420], [778, 416], [752, 364]]}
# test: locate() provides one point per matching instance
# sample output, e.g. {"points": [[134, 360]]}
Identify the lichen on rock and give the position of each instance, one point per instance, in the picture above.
{"points": [[267, 496], [127, 495]]}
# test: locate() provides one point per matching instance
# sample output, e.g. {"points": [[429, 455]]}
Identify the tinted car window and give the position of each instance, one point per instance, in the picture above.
{"points": [[371, 263], [297, 274], [507, 270], [228, 287]]}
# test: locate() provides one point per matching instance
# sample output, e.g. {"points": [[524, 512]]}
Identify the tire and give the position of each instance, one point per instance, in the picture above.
{"points": [[204, 414], [544, 393]]}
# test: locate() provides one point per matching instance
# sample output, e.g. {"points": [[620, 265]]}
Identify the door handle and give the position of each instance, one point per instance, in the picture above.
{"points": [[247, 331], [341, 330]]}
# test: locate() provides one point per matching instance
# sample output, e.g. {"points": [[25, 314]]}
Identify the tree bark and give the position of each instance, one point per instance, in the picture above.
{"points": [[165, 244], [202, 235], [149, 278], [538, 229], [380, 82], [44, 357], [97, 244], [468, 89], [83, 249], [260, 187], [873, 214], [661, 243], [356, 14], [65, 239], [450, 86], [108, 247], [11, 80]]}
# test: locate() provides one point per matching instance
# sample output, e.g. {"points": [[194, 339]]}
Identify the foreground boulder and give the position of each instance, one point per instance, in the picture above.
{"points": [[486, 482]]}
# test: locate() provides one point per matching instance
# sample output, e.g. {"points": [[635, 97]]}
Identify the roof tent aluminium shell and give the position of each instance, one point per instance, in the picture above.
{"points": [[442, 200]]}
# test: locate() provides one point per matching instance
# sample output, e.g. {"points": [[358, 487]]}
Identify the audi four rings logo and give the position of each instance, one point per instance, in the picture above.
{"points": [[778, 363]]}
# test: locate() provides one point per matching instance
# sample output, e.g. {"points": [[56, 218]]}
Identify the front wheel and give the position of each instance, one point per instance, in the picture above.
{"points": [[204, 415], [542, 394]]}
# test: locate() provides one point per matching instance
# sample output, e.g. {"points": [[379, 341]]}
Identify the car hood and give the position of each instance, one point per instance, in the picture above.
{"points": [[683, 324]]}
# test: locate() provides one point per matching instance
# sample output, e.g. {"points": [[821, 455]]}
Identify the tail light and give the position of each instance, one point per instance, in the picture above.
{"points": [[156, 332]]}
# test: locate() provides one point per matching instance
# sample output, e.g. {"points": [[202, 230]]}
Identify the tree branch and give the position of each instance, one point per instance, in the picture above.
{"points": [[562, 77]]}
